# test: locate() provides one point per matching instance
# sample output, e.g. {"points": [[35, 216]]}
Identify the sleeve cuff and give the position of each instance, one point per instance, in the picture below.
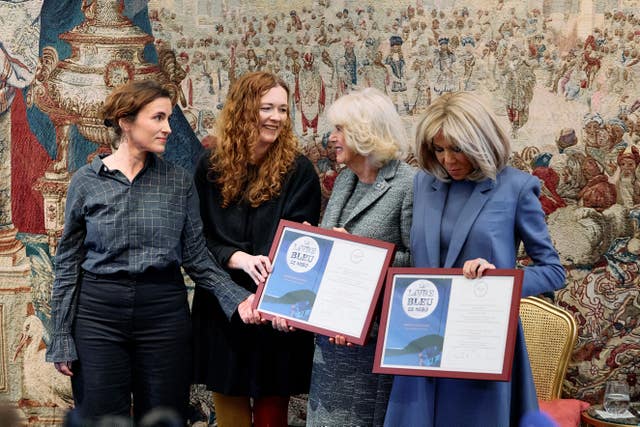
{"points": [[229, 296], [62, 348], [224, 253]]}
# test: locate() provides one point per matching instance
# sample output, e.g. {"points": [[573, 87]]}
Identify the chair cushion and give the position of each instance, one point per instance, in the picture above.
{"points": [[565, 412]]}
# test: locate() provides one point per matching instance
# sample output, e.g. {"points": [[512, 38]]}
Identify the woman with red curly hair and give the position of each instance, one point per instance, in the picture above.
{"points": [[254, 177]]}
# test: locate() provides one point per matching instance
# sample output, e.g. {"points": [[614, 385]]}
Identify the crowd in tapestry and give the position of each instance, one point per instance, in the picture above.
{"points": [[520, 59], [415, 54], [571, 103], [410, 53]]}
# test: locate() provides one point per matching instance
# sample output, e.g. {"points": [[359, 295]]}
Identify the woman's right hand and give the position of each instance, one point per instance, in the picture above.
{"points": [[257, 267], [64, 368], [247, 313]]}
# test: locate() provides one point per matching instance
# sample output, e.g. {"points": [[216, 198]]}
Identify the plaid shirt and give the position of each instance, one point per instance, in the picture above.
{"points": [[113, 225]]}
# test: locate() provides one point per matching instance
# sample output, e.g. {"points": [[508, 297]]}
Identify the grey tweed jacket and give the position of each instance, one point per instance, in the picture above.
{"points": [[384, 213]]}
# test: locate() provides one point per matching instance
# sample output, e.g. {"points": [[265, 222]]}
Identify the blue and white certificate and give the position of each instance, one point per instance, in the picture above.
{"points": [[436, 322], [324, 281]]}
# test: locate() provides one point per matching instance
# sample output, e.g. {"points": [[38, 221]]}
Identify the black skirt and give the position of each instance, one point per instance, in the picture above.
{"points": [[236, 359]]}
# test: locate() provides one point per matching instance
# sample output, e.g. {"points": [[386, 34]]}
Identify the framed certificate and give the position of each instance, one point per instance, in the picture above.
{"points": [[437, 323], [324, 281]]}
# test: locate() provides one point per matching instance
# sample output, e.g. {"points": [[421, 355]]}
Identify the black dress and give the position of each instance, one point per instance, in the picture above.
{"points": [[249, 360]]}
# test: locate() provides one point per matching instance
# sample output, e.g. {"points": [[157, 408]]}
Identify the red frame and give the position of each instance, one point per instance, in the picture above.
{"points": [[364, 333], [512, 326]]}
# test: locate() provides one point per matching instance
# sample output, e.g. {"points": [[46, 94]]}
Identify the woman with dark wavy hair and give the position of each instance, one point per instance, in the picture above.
{"points": [[254, 177]]}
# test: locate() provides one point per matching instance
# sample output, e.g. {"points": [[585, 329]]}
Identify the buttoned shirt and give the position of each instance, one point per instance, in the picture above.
{"points": [[113, 225]]}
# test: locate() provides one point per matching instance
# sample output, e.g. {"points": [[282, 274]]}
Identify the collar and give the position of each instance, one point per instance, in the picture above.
{"points": [[98, 166]]}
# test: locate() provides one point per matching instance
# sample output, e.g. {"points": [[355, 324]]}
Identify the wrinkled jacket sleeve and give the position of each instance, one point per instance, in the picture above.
{"points": [[546, 274], [403, 257], [68, 260]]}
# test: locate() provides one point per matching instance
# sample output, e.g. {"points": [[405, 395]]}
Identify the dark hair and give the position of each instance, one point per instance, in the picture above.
{"points": [[127, 100]]}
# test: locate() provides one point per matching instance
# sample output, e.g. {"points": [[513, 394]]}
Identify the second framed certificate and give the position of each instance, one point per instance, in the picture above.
{"points": [[436, 322], [324, 281]]}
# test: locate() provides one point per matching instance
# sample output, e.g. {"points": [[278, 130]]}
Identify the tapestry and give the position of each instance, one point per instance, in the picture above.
{"points": [[3, 369], [561, 76]]}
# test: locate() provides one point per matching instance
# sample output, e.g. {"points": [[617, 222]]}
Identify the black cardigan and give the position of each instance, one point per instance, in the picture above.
{"points": [[229, 356]]}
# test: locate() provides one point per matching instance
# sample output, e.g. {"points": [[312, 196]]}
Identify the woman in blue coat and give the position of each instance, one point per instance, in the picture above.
{"points": [[471, 211]]}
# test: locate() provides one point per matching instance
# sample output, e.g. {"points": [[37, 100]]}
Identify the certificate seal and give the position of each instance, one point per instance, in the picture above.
{"points": [[480, 288], [357, 255], [303, 254], [420, 299]]}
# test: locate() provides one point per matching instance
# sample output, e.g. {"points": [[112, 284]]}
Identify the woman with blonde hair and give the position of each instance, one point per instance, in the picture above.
{"points": [[254, 177], [472, 211], [372, 197]]}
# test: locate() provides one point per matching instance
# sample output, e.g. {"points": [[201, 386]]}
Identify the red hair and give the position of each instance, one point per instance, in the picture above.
{"points": [[237, 136]]}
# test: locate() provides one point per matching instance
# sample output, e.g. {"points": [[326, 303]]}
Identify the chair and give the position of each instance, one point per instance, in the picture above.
{"points": [[550, 333]]}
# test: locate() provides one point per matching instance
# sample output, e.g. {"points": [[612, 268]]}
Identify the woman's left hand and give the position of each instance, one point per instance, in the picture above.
{"points": [[341, 230], [474, 268], [257, 267], [340, 340], [280, 324]]}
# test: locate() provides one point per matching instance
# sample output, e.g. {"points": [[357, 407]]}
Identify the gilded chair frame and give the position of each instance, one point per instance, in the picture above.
{"points": [[550, 333]]}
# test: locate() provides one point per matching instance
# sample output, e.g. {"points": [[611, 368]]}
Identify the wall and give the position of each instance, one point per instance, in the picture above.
{"points": [[560, 75]]}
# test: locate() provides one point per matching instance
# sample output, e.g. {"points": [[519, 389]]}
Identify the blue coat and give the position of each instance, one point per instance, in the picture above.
{"points": [[496, 218]]}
